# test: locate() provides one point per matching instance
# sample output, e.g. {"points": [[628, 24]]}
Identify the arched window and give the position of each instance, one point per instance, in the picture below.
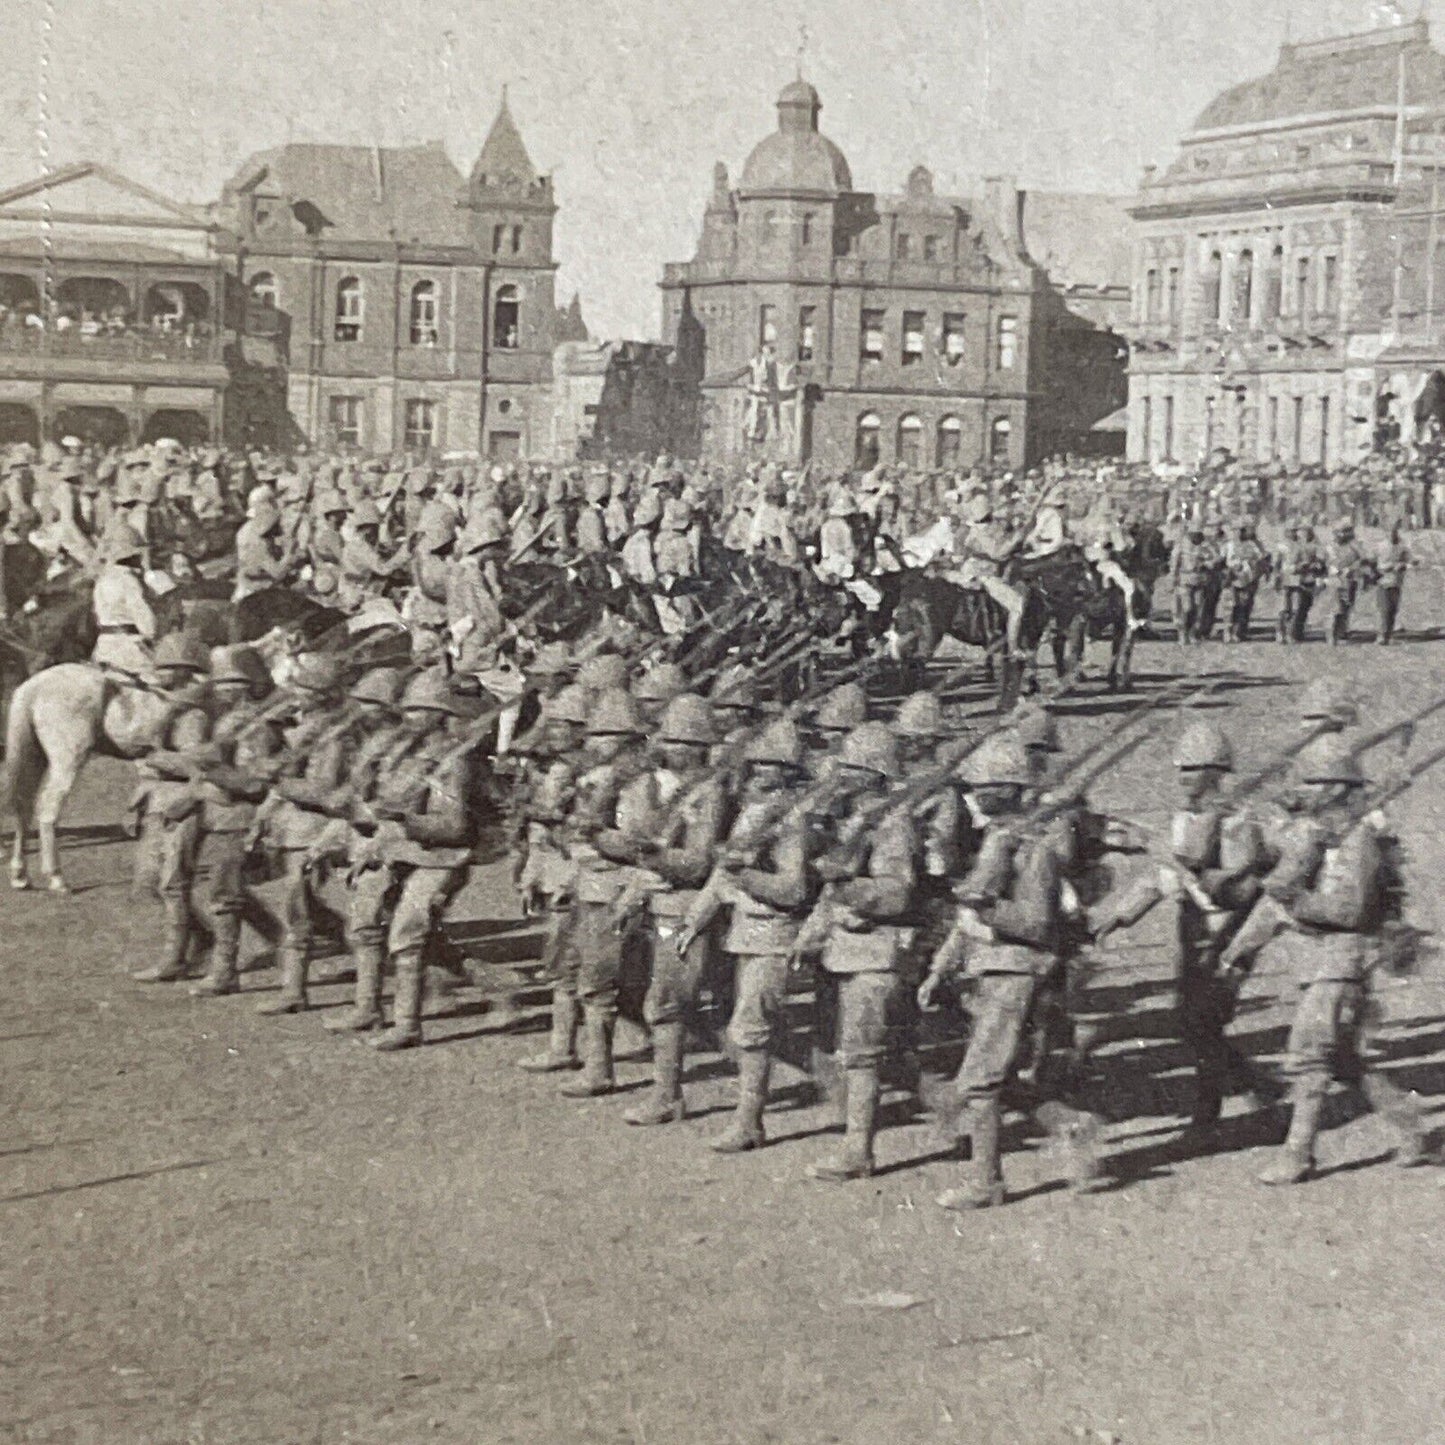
{"points": [[950, 442], [348, 309], [865, 451], [910, 441], [506, 319], [424, 313], [263, 290], [1000, 434]]}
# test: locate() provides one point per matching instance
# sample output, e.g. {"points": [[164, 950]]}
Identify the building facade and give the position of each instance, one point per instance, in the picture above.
{"points": [[115, 312], [1287, 286], [390, 303], [819, 321]]}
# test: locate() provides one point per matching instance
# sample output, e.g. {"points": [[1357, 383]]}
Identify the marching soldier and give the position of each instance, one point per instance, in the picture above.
{"points": [[616, 517], [426, 607], [869, 879], [987, 548], [1329, 887], [837, 546], [1244, 564], [245, 736], [431, 810], [592, 535], [1189, 573], [1392, 561], [546, 875], [638, 559], [762, 878], [689, 820], [165, 800], [475, 618], [609, 833], [1344, 563], [1212, 877], [324, 545], [1005, 936]]}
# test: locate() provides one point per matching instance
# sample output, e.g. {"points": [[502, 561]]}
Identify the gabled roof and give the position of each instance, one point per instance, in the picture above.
{"points": [[363, 193], [89, 189], [504, 156]]}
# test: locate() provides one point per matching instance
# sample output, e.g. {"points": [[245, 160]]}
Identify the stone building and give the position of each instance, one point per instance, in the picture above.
{"points": [[820, 321], [391, 303], [113, 312], [611, 399], [1287, 286]]}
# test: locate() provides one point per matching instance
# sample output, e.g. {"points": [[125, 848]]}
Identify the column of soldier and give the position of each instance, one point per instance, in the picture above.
{"points": [[688, 824]]}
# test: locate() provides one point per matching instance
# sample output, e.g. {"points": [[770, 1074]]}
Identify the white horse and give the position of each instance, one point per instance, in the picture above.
{"points": [[57, 719]]}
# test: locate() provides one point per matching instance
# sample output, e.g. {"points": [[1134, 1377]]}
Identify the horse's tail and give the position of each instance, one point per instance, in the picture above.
{"points": [[24, 758]]}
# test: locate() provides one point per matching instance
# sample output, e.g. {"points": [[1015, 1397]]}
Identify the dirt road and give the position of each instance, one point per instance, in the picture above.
{"points": [[224, 1229]]}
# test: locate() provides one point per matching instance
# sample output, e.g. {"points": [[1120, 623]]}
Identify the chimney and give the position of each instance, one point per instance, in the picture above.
{"points": [[1005, 205]]}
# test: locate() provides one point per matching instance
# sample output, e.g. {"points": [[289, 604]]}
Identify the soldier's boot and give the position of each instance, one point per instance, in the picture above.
{"points": [[223, 976], [405, 1030], [597, 1077], [831, 1086], [746, 1130], [175, 946], [1209, 1082], [561, 1052], [665, 1105], [855, 1159], [292, 998], [1402, 1113], [1295, 1160], [365, 1013], [984, 1187]]}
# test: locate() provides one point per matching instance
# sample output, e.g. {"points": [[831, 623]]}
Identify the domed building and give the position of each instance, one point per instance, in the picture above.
{"points": [[816, 321], [1285, 303]]}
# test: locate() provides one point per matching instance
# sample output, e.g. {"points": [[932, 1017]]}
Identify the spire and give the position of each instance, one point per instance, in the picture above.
{"points": [[504, 157]]}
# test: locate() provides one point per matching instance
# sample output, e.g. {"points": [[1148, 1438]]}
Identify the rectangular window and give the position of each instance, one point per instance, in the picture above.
{"points": [[953, 345], [912, 338], [1151, 294], [1146, 429], [1331, 302], [420, 424], [1273, 427], [807, 228], [1324, 431], [903, 246], [1008, 342], [767, 325], [1302, 300], [1168, 428], [1299, 427], [1171, 294], [870, 346], [807, 332], [344, 413], [930, 248]]}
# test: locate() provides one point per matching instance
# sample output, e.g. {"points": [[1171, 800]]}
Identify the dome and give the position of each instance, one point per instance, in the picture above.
{"points": [[797, 156]]}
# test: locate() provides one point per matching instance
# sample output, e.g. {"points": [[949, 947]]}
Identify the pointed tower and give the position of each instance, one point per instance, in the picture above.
{"points": [[512, 210]]}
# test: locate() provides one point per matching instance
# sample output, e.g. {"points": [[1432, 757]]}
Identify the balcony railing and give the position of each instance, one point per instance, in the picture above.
{"points": [[139, 347]]}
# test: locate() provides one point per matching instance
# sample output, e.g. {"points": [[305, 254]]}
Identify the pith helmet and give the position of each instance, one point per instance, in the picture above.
{"points": [[778, 743], [661, 683], [380, 685], [483, 529], [688, 719], [1203, 745], [735, 688], [845, 707], [920, 716], [568, 705], [184, 652], [1328, 700], [605, 670], [999, 761], [239, 665], [125, 544], [872, 748], [365, 514], [317, 673], [614, 714], [431, 692], [1329, 760]]}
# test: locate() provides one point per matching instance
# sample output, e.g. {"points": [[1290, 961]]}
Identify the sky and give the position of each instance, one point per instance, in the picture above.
{"points": [[630, 102]]}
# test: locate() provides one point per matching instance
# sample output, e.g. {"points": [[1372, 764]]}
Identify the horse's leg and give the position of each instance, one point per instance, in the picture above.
{"points": [[55, 786], [19, 878]]}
